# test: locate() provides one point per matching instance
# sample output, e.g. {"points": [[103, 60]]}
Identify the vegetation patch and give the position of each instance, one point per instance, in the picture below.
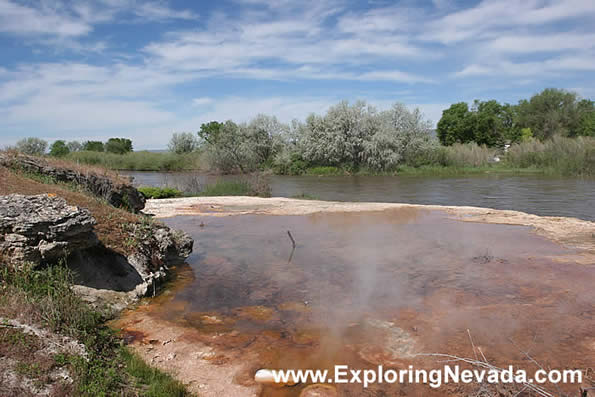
{"points": [[159, 192], [138, 161], [44, 297]]}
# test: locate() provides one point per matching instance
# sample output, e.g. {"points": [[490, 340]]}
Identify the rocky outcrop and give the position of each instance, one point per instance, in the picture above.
{"points": [[157, 247], [43, 228], [118, 194]]}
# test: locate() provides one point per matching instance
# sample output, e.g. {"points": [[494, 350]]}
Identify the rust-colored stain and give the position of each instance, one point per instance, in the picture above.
{"points": [[365, 289]]}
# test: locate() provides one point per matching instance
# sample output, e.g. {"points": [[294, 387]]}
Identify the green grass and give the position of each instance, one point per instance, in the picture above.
{"points": [[139, 161], [45, 296], [159, 192], [228, 188]]}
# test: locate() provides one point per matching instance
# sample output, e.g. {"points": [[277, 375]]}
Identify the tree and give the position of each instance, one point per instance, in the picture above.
{"points": [[181, 143], [244, 147], [93, 146], [209, 132], [59, 149], [486, 123], [74, 146], [118, 145], [455, 125], [586, 125], [551, 112], [33, 146], [358, 135]]}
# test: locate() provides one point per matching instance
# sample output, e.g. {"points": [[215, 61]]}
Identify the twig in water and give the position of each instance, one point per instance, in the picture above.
{"points": [[291, 238], [292, 246]]}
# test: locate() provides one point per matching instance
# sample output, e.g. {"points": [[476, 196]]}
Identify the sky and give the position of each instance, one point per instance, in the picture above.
{"points": [[95, 69]]}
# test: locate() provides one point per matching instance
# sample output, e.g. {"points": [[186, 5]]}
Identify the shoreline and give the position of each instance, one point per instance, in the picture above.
{"points": [[569, 232]]}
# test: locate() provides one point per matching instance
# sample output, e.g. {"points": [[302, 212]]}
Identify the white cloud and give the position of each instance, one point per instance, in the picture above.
{"points": [[543, 68], [556, 42], [202, 101], [19, 19]]}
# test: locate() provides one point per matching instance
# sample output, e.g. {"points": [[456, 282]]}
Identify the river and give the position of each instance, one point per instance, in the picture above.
{"points": [[534, 194]]}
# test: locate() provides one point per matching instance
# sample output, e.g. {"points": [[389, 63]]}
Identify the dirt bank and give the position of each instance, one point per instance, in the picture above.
{"points": [[570, 232]]}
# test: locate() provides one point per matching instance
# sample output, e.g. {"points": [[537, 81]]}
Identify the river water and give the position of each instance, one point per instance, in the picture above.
{"points": [[540, 195]]}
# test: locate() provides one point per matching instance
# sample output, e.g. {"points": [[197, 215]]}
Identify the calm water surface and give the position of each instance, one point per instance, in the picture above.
{"points": [[541, 195], [375, 288]]}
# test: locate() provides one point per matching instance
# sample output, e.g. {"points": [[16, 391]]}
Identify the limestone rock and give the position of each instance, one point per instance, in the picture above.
{"points": [[43, 228]]}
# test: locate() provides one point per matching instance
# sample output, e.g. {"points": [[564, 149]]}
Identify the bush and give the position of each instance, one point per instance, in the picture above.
{"points": [[32, 146], [159, 192]]}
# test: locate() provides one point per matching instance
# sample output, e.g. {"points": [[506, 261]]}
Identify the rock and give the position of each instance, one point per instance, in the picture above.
{"points": [[159, 247], [117, 194], [43, 228]]}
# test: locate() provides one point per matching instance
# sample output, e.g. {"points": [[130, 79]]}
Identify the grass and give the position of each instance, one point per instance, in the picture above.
{"points": [[45, 297], [231, 188], [138, 161], [567, 156], [159, 192]]}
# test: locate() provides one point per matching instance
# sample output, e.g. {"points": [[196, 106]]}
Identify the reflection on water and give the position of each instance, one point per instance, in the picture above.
{"points": [[377, 288], [539, 195]]}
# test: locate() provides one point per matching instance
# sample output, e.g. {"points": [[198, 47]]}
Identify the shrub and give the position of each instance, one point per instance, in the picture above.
{"points": [[32, 146]]}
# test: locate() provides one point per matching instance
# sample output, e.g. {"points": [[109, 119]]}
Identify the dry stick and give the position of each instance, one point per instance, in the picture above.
{"points": [[291, 237], [525, 353], [292, 245], [538, 390], [472, 344]]}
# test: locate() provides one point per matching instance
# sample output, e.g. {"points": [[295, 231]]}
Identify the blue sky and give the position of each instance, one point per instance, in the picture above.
{"points": [[93, 69]]}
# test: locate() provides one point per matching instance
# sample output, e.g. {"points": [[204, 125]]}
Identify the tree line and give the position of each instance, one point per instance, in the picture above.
{"points": [[61, 148], [356, 136], [551, 112]]}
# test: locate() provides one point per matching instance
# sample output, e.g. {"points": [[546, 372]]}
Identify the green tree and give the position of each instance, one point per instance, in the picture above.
{"points": [[184, 142], [118, 145], [93, 146], [59, 149], [586, 124], [455, 125], [33, 146], [551, 112], [209, 132]]}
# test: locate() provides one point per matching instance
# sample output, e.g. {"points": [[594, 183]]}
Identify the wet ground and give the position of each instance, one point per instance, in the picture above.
{"points": [[364, 289]]}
